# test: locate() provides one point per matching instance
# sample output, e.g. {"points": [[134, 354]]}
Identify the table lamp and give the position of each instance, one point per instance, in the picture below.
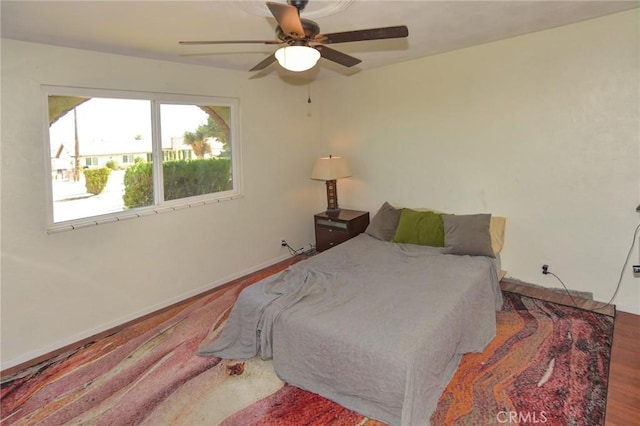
{"points": [[329, 169]]}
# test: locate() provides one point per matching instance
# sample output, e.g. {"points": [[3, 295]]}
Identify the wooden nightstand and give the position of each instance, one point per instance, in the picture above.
{"points": [[335, 229]]}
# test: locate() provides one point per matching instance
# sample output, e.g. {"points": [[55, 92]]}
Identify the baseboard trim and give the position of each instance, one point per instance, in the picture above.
{"points": [[67, 346], [628, 309]]}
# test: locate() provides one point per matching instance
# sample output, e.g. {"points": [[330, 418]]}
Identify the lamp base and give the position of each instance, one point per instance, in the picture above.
{"points": [[332, 198], [333, 212]]}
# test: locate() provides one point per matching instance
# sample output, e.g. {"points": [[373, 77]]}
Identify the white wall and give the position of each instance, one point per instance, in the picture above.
{"points": [[61, 287], [543, 129]]}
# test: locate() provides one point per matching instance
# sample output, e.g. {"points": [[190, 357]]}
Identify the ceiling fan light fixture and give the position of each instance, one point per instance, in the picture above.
{"points": [[297, 58]]}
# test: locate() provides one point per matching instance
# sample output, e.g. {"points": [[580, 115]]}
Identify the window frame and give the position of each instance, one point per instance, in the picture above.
{"points": [[156, 99]]}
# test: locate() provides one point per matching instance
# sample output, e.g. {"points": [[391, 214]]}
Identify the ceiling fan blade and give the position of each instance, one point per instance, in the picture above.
{"points": [[288, 18], [230, 42], [338, 57], [360, 35], [264, 63]]}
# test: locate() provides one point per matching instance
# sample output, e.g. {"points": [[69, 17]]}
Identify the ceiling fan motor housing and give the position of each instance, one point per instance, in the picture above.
{"points": [[299, 4], [311, 29]]}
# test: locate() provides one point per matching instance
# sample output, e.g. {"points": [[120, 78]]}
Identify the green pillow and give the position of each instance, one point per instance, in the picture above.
{"points": [[423, 228]]}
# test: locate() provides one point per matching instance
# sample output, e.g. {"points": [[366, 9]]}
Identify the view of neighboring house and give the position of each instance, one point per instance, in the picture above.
{"points": [[97, 153]]}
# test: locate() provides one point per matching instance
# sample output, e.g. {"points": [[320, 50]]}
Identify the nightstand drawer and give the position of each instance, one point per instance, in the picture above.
{"points": [[334, 229], [327, 238], [332, 224]]}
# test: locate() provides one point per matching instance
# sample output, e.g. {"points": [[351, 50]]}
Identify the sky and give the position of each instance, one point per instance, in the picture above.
{"points": [[120, 120]]}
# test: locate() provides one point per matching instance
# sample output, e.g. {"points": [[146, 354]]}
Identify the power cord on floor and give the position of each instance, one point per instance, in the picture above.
{"points": [[546, 272], [295, 252], [615, 293], [624, 268]]}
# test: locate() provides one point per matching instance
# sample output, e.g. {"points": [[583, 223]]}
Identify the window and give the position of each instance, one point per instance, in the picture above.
{"points": [[116, 155]]}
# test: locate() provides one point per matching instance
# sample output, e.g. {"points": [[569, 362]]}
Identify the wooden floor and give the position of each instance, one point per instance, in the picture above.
{"points": [[623, 399]]}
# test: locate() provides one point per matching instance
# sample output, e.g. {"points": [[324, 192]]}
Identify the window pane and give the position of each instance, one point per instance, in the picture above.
{"points": [[196, 145], [112, 151], [91, 141]]}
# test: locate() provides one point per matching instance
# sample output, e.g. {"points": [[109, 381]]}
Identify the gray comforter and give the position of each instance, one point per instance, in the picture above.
{"points": [[375, 326]]}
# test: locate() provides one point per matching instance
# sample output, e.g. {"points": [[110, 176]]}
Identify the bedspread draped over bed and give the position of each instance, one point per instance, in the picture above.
{"points": [[378, 327]]}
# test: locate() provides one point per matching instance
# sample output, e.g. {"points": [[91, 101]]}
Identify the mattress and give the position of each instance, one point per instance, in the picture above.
{"points": [[376, 326]]}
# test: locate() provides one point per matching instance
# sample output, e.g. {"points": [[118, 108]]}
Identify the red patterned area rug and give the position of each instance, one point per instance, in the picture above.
{"points": [[548, 364]]}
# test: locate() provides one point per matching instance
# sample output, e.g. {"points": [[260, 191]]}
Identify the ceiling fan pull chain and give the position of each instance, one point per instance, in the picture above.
{"points": [[309, 99]]}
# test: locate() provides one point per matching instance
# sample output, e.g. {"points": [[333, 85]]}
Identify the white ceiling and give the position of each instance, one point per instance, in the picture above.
{"points": [[152, 29]]}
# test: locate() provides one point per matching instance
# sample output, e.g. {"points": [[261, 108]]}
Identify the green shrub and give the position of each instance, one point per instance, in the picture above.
{"points": [[196, 177], [183, 178], [138, 185], [96, 179], [112, 164]]}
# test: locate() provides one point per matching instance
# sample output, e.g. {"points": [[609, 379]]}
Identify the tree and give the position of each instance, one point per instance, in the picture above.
{"points": [[60, 105], [218, 125], [213, 129], [197, 141], [76, 160]]}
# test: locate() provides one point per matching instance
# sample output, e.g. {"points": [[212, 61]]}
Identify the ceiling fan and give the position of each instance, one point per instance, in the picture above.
{"points": [[304, 43]]}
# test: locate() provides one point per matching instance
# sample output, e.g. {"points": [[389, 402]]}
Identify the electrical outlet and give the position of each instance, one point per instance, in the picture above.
{"points": [[283, 243], [545, 269], [636, 271]]}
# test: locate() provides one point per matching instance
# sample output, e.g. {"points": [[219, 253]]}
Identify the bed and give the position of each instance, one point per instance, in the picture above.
{"points": [[377, 326]]}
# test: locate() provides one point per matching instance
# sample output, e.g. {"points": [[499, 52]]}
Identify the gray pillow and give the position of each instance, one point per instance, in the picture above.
{"points": [[467, 234], [384, 223]]}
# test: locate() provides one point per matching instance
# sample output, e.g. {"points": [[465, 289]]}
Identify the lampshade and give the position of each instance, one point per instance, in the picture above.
{"points": [[297, 58], [330, 168]]}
